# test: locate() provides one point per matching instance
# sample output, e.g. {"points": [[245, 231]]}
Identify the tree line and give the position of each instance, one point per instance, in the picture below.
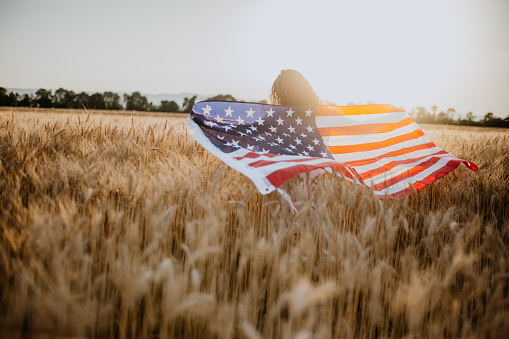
{"points": [[135, 101], [63, 98], [420, 114]]}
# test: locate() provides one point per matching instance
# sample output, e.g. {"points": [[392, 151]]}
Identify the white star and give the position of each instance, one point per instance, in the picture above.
{"points": [[222, 138], [253, 128], [242, 134], [228, 143], [278, 139], [298, 121], [260, 121], [240, 121], [310, 148], [219, 119], [316, 141], [279, 121], [235, 143], [273, 129], [249, 147], [261, 137], [226, 128], [293, 147], [309, 128], [298, 141], [229, 111], [308, 112], [250, 113], [290, 112], [291, 129], [305, 153], [206, 110], [210, 123], [249, 131], [323, 154], [257, 139], [303, 135], [286, 135], [264, 151], [269, 113]]}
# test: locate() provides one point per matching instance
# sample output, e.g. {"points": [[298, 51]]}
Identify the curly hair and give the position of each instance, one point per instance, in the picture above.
{"points": [[291, 89]]}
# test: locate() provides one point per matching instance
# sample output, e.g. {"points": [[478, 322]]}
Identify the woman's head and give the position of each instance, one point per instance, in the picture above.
{"points": [[291, 89]]}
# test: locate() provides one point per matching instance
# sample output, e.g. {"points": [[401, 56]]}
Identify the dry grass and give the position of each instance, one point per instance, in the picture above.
{"points": [[124, 227]]}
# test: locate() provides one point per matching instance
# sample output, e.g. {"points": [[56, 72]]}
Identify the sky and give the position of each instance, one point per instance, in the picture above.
{"points": [[448, 53]]}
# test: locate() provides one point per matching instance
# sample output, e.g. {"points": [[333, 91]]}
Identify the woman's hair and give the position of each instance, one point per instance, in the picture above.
{"points": [[291, 89]]}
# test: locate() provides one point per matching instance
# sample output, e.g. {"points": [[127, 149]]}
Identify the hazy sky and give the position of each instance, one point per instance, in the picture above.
{"points": [[406, 53]]}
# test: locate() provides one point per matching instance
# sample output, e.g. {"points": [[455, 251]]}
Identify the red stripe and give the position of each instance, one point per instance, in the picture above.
{"points": [[389, 166], [414, 171], [278, 177], [254, 155], [390, 154], [365, 129], [376, 145]]}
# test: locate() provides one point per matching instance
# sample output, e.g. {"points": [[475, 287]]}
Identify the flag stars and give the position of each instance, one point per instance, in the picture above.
{"points": [[279, 121], [273, 129], [290, 112], [260, 121], [291, 129], [309, 112], [270, 113], [298, 141], [229, 111], [219, 119], [323, 154], [250, 112], [206, 110], [240, 121], [309, 128], [298, 121], [303, 135], [316, 141], [210, 123], [235, 143], [305, 153], [310, 148], [249, 147], [278, 139]]}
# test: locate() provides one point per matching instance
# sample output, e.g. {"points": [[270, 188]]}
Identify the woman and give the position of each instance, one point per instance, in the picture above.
{"points": [[292, 89]]}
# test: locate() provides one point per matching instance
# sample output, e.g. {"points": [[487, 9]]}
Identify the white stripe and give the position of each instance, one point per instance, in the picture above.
{"points": [[349, 120], [386, 160], [359, 139], [400, 169], [403, 184], [248, 160], [354, 156], [268, 169]]}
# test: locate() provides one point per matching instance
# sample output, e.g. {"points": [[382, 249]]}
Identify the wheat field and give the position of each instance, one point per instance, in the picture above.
{"points": [[119, 226]]}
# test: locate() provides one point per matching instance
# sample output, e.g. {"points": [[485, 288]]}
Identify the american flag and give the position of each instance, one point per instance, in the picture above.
{"points": [[376, 145]]}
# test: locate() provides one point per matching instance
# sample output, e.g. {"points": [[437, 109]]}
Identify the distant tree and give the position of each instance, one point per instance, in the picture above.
{"points": [[3, 97], [450, 114], [43, 98], [434, 109], [96, 101], [81, 100], [168, 106], [26, 101], [187, 107], [64, 99], [223, 97], [112, 101], [470, 117], [442, 118], [136, 102]]}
